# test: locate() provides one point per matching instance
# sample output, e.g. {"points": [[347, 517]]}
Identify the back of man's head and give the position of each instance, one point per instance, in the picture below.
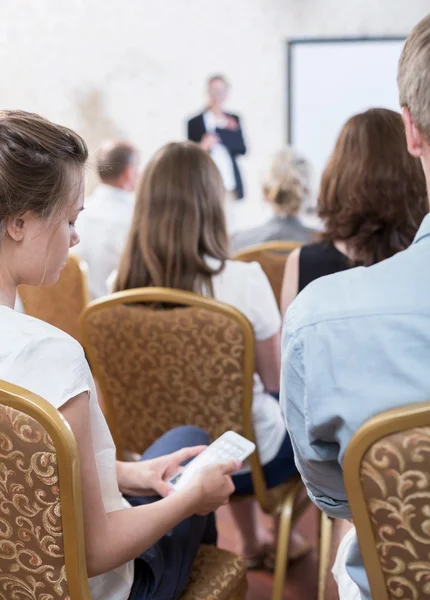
{"points": [[117, 164], [414, 76]]}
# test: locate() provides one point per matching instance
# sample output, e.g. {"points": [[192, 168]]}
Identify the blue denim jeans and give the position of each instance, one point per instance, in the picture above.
{"points": [[161, 573]]}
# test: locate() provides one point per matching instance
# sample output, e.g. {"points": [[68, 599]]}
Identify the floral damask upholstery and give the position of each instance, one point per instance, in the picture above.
{"points": [[165, 368], [216, 575], [60, 304], [31, 541], [395, 474]]}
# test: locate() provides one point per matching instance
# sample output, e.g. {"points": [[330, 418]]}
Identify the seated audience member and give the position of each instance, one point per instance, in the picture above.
{"points": [[139, 553], [285, 189], [372, 200], [104, 225], [178, 240], [357, 343]]}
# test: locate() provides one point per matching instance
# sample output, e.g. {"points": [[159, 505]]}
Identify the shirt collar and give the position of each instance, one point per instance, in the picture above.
{"points": [[113, 194], [424, 229], [293, 219]]}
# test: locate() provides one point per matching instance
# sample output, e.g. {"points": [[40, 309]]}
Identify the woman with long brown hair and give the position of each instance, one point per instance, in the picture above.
{"points": [[178, 239], [372, 200]]}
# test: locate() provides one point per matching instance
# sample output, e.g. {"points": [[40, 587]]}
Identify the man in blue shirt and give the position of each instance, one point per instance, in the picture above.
{"points": [[358, 343]]}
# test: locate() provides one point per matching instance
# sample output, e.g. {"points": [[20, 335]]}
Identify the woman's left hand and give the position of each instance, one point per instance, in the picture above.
{"points": [[149, 477]]}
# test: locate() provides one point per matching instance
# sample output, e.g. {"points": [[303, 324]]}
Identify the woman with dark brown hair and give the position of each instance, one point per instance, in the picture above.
{"points": [[178, 239], [372, 200]]}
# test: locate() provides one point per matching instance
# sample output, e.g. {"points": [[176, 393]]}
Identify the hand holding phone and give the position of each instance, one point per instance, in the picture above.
{"points": [[229, 447], [211, 487]]}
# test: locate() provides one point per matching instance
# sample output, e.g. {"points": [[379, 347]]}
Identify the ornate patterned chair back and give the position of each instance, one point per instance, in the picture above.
{"points": [[272, 257], [62, 303], [165, 358], [42, 553], [387, 479]]}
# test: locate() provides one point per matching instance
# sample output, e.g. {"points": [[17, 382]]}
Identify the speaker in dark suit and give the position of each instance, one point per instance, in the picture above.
{"points": [[220, 133]]}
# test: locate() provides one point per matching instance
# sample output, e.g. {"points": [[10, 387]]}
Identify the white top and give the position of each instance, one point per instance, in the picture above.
{"points": [[103, 228], [48, 362], [246, 287], [347, 588], [219, 153]]}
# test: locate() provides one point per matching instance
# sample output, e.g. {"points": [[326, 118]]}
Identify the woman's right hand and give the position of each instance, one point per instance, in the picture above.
{"points": [[209, 140], [212, 486]]}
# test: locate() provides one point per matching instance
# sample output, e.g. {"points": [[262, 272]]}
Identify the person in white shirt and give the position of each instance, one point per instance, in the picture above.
{"points": [[140, 553], [104, 224], [178, 239]]}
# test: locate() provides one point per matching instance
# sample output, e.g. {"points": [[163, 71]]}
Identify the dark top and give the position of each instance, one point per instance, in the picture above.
{"points": [[232, 140], [318, 260]]}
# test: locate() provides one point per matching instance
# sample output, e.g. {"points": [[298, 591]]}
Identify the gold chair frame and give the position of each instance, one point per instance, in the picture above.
{"points": [[83, 267], [326, 525], [69, 480], [285, 505], [280, 250], [276, 246], [84, 299], [387, 423]]}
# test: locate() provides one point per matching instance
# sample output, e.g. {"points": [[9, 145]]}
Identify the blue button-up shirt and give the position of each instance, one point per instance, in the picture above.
{"points": [[354, 344]]}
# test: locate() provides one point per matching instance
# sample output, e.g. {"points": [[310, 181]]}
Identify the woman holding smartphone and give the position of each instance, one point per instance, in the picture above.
{"points": [[139, 553]]}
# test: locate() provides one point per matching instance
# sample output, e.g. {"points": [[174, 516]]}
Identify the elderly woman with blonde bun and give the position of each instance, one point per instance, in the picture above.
{"points": [[285, 188]]}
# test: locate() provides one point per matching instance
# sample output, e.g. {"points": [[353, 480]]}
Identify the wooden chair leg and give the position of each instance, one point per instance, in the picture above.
{"points": [[326, 535], [286, 517]]}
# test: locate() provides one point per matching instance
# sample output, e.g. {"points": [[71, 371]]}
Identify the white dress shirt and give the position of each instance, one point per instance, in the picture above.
{"points": [[103, 228], [219, 153]]}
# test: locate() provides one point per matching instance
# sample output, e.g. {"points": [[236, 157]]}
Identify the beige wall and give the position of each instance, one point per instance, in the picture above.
{"points": [[136, 68]]}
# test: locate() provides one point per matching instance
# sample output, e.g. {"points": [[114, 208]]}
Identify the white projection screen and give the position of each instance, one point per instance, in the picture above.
{"points": [[329, 80]]}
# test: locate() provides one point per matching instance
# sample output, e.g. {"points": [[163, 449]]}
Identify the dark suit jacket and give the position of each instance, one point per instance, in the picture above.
{"points": [[232, 140]]}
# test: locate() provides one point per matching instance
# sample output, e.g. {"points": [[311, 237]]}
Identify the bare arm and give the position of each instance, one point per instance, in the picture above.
{"points": [[290, 285], [112, 539], [268, 361], [149, 477]]}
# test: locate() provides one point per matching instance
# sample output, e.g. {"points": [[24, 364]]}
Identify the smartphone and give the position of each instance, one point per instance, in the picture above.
{"points": [[230, 446]]}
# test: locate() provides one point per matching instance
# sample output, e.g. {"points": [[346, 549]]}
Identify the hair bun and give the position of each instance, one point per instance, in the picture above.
{"points": [[287, 183]]}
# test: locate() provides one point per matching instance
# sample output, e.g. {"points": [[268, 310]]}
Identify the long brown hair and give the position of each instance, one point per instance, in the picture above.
{"points": [[37, 162], [373, 192], [178, 222]]}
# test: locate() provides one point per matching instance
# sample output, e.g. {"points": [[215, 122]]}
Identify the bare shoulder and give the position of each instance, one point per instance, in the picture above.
{"points": [[291, 273], [294, 257], [290, 284]]}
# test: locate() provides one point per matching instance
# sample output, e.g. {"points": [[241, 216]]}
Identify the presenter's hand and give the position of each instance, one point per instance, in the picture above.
{"points": [[232, 124], [209, 140]]}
